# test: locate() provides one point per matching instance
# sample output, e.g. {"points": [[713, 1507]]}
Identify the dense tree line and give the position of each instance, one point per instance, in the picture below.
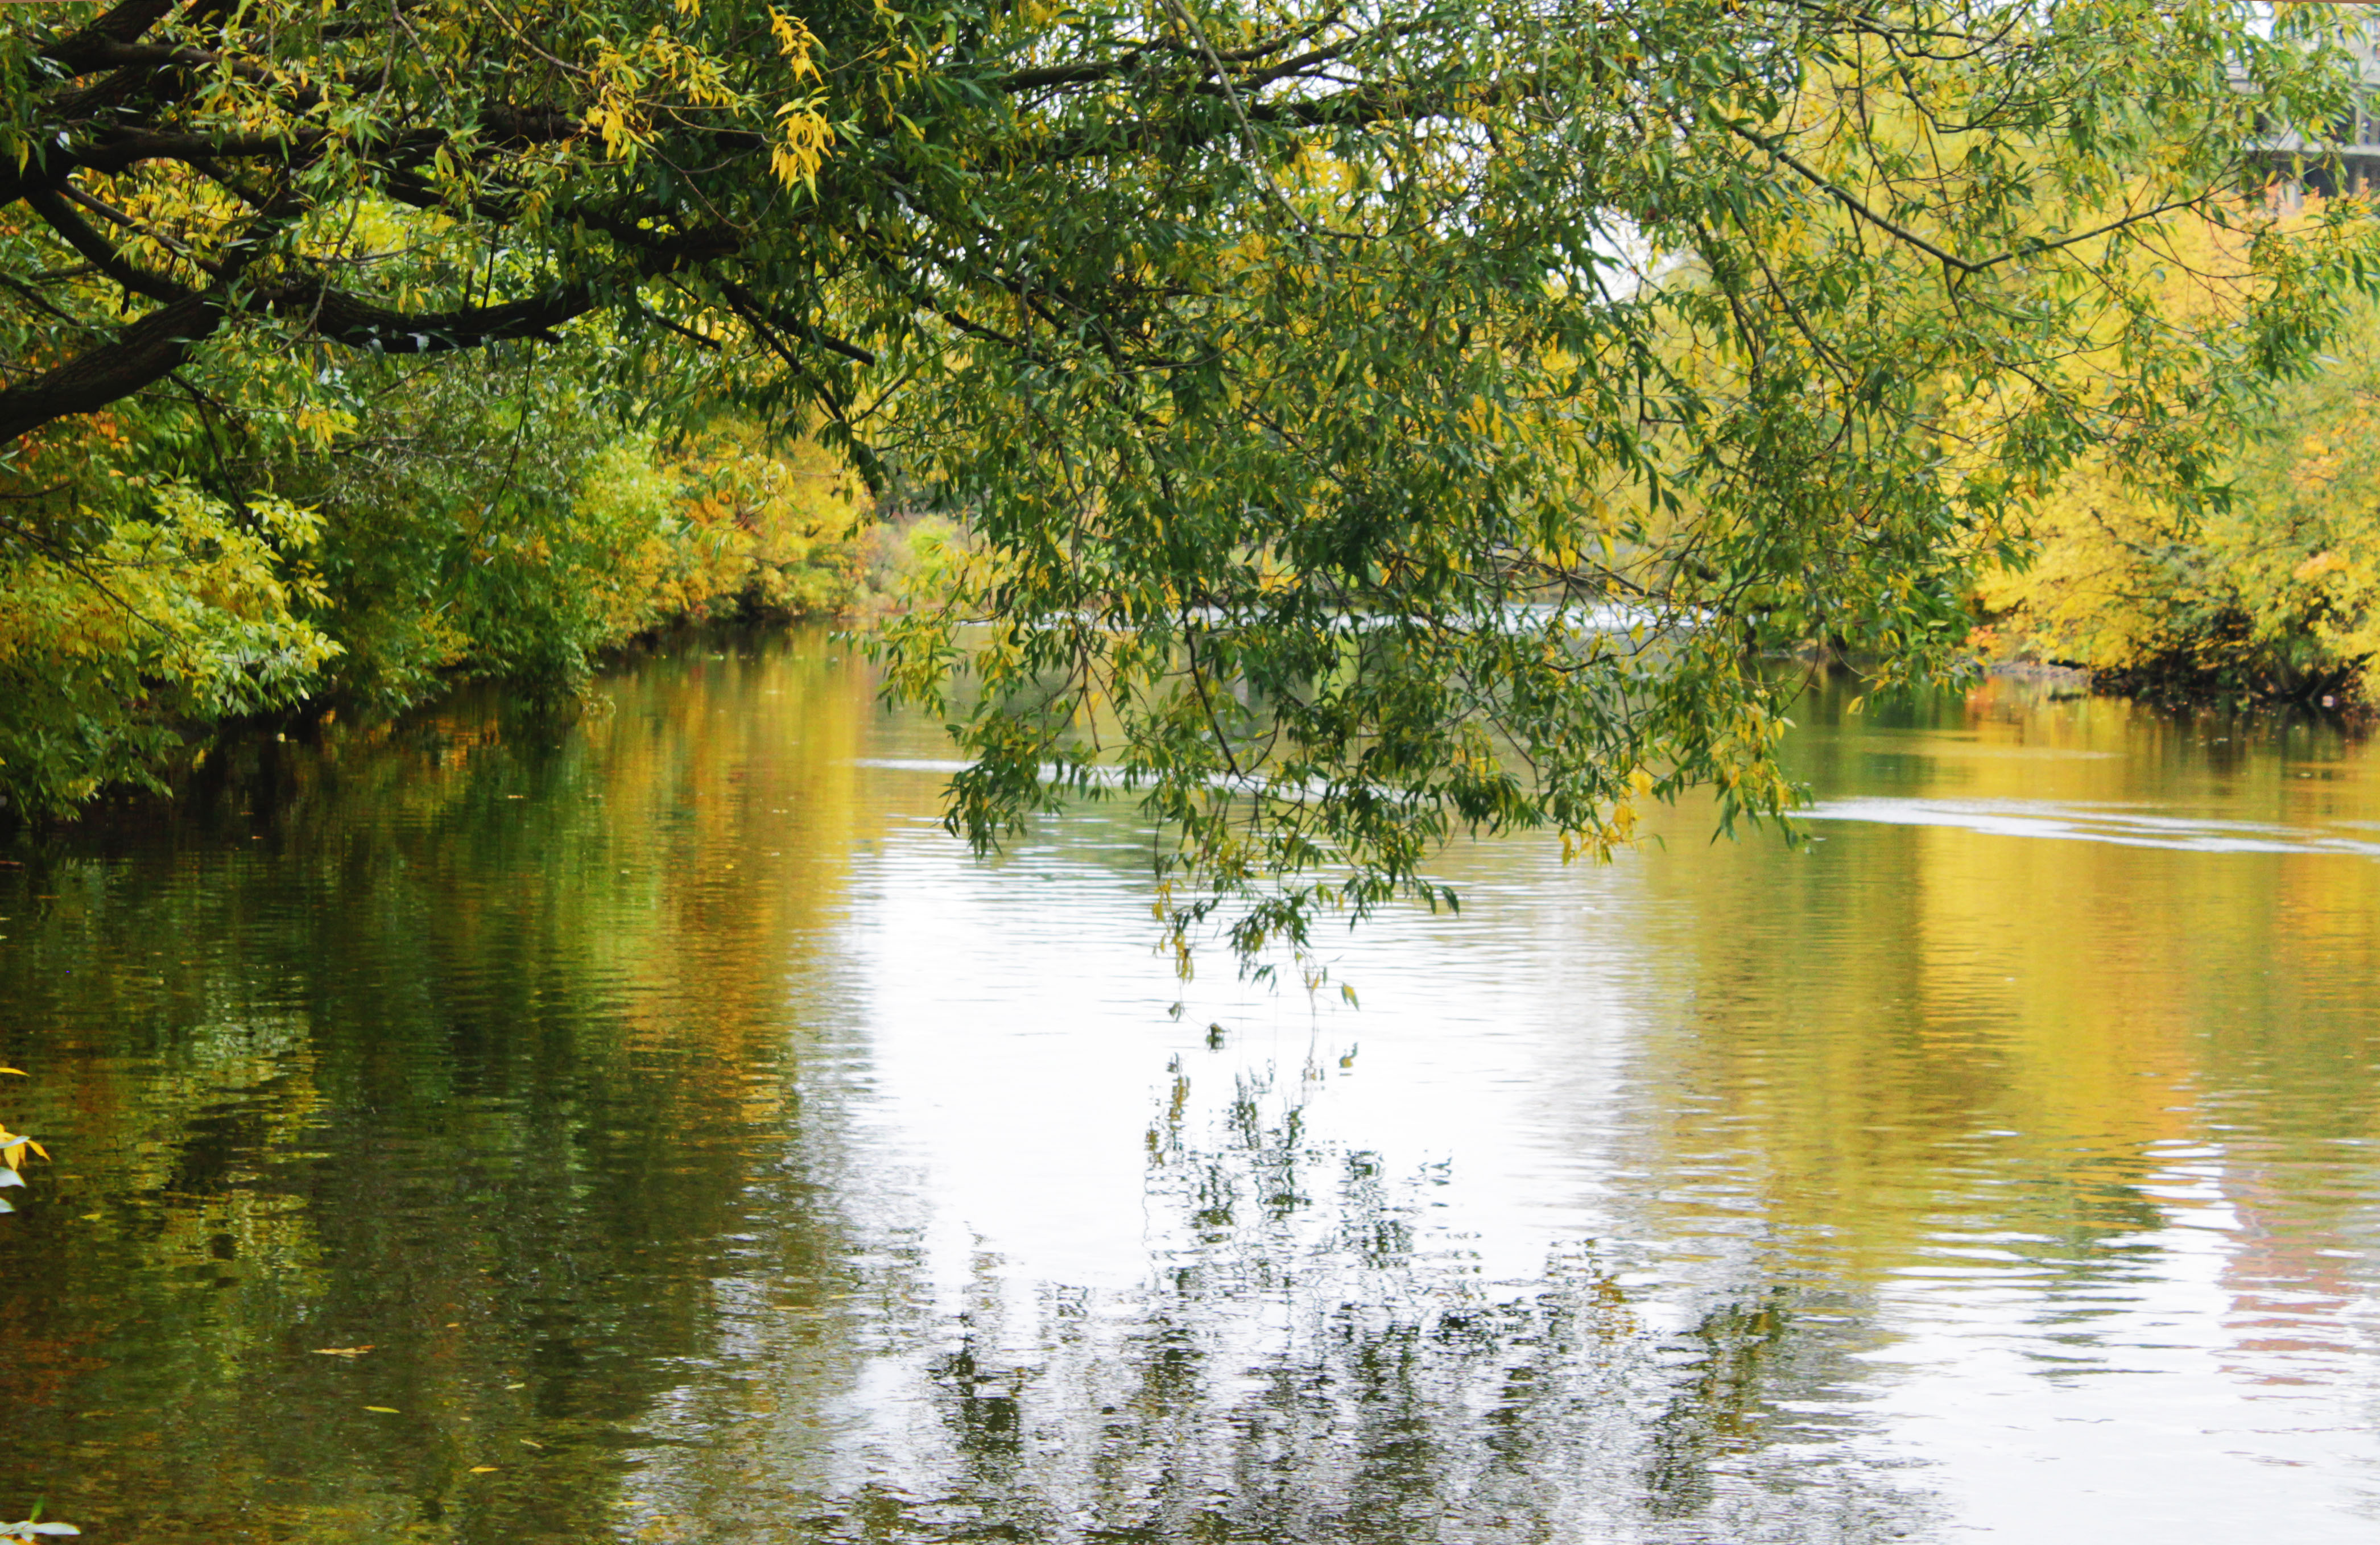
{"points": [[1366, 422]]}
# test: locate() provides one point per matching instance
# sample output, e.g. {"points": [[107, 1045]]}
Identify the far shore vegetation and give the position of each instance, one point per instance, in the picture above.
{"points": [[1339, 427]]}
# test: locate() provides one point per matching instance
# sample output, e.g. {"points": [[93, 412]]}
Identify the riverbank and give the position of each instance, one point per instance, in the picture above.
{"points": [[2181, 688], [462, 529]]}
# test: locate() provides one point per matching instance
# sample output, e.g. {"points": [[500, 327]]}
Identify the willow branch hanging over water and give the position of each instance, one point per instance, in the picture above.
{"points": [[1369, 422]]}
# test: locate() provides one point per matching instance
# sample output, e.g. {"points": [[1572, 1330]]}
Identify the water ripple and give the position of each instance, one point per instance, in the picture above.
{"points": [[2120, 825]]}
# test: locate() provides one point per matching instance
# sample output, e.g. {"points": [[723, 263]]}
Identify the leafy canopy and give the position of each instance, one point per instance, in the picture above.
{"points": [[2265, 586], [1369, 421]]}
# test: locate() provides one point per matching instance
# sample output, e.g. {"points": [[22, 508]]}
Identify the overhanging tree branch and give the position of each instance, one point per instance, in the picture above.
{"points": [[96, 249], [1900, 232], [143, 353], [359, 323]]}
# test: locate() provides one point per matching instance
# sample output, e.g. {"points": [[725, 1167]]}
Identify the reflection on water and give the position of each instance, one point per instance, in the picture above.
{"points": [[656, 1128], [2125, 828]]}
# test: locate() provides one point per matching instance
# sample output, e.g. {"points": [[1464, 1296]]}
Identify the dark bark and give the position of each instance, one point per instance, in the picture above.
{"points": [[113, 112], [164, 341], [84, 49], [143, 353], [96, 249], [348, 319]]}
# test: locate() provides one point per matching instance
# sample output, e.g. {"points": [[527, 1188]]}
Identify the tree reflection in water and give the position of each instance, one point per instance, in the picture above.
{"points": [[514, 1053], [1315, 1360]]}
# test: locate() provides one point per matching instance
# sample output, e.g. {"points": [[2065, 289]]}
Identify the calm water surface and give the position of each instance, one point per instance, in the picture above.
{"points": [[657, 1129]]}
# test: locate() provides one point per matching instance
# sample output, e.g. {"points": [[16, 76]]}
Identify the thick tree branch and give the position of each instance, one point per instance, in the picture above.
{"points": [[79, 51], [346, 318], [164, 340], [143, 353], [119, 150], [97, 250], [1092, 70], [670, 249]]}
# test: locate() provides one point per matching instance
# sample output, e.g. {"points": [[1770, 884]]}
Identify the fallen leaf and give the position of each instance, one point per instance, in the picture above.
{"points": [[516, 1386], [482, 1469], [454, 1324], [385, 1410], [531, 1442], [344, 1351]]}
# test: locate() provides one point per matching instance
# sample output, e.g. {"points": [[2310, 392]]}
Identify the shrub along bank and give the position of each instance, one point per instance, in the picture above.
{"points": [[183, 567], [2263, 588]]}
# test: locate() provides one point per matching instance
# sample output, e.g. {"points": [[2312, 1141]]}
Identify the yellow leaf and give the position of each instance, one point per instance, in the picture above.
{"points": [[342, 1351], [482, 1469], [384, 1410], [18, 1071]]}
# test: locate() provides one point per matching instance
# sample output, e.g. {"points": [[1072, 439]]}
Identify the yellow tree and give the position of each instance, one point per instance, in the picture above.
{"points": [[1390, 419]]}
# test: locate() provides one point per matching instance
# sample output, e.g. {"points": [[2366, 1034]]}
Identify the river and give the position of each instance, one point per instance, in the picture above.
{"points": [[655, 1129]]}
